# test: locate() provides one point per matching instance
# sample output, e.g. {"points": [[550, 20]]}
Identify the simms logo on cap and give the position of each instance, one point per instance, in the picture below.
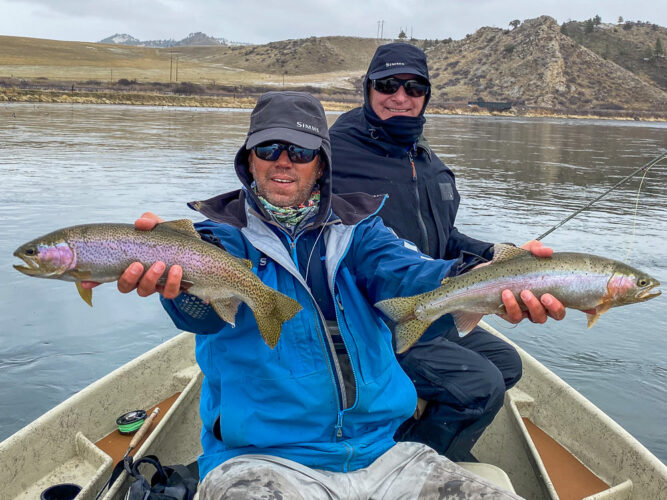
{"points": [[389, 65], [308, 127]]}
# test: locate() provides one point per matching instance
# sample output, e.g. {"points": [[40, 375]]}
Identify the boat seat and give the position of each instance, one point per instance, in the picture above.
{"points": [[489, 472]]}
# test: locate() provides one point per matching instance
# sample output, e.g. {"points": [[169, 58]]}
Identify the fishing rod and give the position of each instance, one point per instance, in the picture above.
{"points": [[644, 168]]}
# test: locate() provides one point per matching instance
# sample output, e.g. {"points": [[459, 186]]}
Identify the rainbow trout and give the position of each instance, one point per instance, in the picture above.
{"points": [[580, 281], [101, 252]]}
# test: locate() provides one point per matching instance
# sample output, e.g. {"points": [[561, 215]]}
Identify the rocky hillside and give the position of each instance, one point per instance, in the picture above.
{"points": [[638, 47], [536, 64]]}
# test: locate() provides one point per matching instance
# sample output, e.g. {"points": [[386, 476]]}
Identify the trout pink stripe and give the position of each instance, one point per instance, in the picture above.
{"points": [[537, 281]]}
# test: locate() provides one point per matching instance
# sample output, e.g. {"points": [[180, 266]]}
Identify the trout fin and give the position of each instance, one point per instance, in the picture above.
{"points": [[183, 226], [247, 263], [465, 321], [270, 325], [593, 316], [408, 332], [227, 309], [398, 309], [85, 293], [408, 329], [80, 275], [502, 251]]}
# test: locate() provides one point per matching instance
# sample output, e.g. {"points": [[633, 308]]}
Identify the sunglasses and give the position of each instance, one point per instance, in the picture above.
{"points": [[296, 154], [391, 84]]}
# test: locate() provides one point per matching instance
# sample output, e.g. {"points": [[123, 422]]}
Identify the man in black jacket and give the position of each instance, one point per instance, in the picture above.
{"points": [[379, 148]]}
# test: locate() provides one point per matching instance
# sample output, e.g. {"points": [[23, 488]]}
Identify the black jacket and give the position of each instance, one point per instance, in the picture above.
{"points": [[423, 199]]}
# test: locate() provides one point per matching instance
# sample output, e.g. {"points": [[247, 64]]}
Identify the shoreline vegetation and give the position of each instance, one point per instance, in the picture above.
{"points": [[331, 102]]}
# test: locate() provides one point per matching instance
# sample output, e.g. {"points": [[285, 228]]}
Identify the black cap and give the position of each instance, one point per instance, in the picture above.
{"points": [[293, 117], [396, 58]]}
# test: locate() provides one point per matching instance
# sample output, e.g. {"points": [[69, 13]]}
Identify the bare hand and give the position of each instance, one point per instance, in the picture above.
{"points": [[538, 310], [147, 283], [536, 248], [147, 221]]}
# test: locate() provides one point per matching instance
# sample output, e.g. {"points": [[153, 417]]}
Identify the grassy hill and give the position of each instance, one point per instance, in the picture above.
{"points": [[308, 61]]}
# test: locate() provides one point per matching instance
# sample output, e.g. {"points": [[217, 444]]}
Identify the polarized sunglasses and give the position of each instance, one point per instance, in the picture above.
{"points": [[391, 84], [296, 154]]}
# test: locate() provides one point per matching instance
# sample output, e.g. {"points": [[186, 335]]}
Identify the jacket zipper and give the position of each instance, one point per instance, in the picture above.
{"points": [[327, 347], [338, 306], [420, 220]]}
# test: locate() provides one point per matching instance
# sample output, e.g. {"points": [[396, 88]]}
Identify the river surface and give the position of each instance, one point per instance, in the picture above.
{"points": [[63, 164]]}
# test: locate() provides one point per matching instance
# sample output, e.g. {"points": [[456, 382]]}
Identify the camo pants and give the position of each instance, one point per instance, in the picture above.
{"points": [[406, 471]]}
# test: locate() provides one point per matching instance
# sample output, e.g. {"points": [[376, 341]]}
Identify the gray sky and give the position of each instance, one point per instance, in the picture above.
{"points": [[262, 21]]}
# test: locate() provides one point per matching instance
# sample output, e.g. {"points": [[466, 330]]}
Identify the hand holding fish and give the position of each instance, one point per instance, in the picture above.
{"points": [[147, 283], [536, 310]]}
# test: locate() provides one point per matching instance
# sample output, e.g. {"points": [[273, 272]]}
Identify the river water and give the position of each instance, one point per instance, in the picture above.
{"points": [[62, 165]]}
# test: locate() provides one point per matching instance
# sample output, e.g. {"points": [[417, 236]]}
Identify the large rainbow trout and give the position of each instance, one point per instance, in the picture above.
{"points": [[580, 281], [101, 252]]}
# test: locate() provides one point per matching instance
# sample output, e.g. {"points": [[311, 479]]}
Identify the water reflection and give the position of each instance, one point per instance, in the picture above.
{"points": [[71, 164]]}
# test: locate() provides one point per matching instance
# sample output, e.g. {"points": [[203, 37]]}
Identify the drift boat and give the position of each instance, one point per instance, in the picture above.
{"points": [[547, 442]]}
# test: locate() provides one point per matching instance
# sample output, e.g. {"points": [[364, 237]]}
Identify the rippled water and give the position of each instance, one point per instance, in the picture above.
{"points": [[69, 164]]}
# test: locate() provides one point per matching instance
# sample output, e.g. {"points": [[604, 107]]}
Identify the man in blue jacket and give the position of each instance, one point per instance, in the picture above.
{"points": [[315, 416], [379, 148]]}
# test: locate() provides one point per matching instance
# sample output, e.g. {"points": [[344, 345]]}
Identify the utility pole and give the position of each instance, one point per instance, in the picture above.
{"points": [[176, 68], [171, 64], [377, 36], [382, 29]]}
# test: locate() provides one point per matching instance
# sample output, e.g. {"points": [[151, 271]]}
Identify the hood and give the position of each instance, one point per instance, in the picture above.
{"points": [[393, 59]]}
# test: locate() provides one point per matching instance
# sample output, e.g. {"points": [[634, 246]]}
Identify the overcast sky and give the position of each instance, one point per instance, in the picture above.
{"points": [[261, 21]]}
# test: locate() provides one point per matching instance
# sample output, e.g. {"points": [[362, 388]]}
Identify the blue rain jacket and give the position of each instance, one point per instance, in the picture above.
{"points": [[290, 401]]}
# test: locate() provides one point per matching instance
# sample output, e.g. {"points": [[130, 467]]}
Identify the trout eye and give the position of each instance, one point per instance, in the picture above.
{"points": [[642, 282], [30, 251]]}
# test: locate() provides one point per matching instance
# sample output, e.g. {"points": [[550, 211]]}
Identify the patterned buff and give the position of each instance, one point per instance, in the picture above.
{"points": [[291, 216]]}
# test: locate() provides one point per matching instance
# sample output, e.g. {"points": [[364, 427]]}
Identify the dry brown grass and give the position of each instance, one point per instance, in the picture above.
{"points": [[249, 65]]}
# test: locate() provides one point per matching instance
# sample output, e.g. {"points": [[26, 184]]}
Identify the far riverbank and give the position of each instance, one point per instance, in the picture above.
{"points": [[243, 102]]}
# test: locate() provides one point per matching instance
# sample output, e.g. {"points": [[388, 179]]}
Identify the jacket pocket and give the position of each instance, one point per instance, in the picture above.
{"points": [[263, 412], [442, 205]]}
